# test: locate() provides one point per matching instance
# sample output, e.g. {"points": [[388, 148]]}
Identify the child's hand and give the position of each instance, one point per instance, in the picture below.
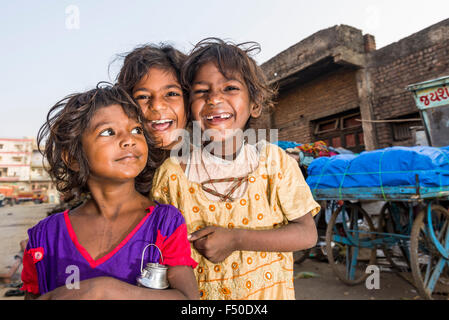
{"points": [[214, 243]]}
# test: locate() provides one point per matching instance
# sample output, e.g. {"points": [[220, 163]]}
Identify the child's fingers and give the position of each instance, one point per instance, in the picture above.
{"points": [[200, 245], [200, 234]]}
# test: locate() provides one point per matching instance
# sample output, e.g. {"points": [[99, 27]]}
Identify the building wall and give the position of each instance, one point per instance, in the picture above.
{"points": [[22, 168], [15, 159], [419, 57], [298, 107], [38, 174], [386, 74]]}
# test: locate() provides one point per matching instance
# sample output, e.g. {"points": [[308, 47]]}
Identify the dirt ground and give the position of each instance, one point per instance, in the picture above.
{"points": [[14, 223], [315, 279]]}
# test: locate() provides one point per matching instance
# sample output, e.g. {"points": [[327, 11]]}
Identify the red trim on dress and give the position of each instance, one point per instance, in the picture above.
{"points": [[29, 271], [95, 263], [176, 248]]}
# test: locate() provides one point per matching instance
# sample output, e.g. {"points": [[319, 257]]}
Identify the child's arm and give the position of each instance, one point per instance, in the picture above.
{"points": [[182, 287], [217, 243], [30, 296]]}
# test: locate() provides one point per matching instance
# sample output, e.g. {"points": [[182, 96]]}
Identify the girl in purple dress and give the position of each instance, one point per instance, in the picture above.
{"points": [[96, 144]]}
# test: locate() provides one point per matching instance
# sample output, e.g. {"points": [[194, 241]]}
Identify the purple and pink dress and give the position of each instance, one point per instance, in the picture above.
{"points": [[54, 255]]}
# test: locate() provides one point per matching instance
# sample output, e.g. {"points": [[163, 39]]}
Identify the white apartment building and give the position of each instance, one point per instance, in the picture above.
{"points": [[15, 162], [22, 167]]}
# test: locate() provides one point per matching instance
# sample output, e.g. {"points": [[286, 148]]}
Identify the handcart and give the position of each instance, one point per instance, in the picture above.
{"points": [[412, 219], [415, 218]]}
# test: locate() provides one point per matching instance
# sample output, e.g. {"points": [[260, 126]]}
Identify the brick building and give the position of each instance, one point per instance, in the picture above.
{"points": [[335, 86]]}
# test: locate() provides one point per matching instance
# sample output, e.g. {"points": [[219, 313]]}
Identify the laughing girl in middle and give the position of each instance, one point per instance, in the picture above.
{"points": [[247, 207], [151, 75]]}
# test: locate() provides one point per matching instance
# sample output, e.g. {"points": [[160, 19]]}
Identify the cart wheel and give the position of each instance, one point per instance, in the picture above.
{"points": [[394, 219], [348, 243], [429, 267]]}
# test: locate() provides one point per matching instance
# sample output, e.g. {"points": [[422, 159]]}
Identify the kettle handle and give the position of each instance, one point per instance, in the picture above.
{"points": [[143, 253]]}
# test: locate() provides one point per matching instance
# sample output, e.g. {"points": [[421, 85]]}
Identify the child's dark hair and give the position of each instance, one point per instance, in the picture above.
{"points": [[138, 62], [230, 59], [59, 139]]}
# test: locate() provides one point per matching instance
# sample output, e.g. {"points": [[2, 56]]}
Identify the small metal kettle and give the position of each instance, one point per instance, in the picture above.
{"points": [[154, 275]]}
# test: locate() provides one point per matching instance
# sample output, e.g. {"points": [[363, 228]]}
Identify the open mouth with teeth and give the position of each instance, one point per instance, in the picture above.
{"points": [[160, 125], [217, 118]]}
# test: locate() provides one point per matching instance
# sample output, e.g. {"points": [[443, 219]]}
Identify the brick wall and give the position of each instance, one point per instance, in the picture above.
{"points": [[297, 107], [419, 57]]}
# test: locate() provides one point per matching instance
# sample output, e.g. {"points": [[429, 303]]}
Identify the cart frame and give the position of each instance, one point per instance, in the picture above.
{"points": [[347, 233]]}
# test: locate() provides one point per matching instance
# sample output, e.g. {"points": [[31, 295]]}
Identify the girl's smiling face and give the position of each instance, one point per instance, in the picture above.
{"points": [[221, 103], [114, 145], [160, 96]]}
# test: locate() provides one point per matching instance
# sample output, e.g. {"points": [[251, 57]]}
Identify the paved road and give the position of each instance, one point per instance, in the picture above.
{"points": [[15, 221]]}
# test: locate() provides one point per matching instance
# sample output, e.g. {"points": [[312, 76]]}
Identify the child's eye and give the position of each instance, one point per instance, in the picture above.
{"points": [[137, 130], [173, 94], [231, 88], [200, 91], [108, 132], [142, 97]]}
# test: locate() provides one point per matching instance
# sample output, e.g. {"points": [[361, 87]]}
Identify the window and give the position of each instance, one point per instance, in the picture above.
{"points": [[401, 130], [17, 159], [343, 130], [326, 126], [351, 121]]}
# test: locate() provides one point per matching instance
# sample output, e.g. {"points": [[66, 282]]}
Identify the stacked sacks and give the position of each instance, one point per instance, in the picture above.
{"points": [[316, 150], [310, 151], [389, 167]]}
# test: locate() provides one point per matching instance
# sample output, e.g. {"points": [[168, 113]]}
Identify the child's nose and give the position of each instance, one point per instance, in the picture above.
{"points": [[127, 141], [157, 104], [214, 98]]}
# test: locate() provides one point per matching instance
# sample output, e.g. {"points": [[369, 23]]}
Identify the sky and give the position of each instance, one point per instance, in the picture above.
{"points": [[50, 49]]}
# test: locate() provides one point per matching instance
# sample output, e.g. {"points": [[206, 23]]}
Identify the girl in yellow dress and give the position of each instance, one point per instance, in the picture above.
{"points": [[247, 206]]}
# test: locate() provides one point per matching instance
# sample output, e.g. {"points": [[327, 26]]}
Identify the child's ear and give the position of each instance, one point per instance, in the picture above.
{"points": [[256, 110], [70, 162]]}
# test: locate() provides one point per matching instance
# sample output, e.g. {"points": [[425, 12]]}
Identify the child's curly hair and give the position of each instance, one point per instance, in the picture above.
{"points": [[139, 61], [137, 64], [59, 138], [230, 59]]}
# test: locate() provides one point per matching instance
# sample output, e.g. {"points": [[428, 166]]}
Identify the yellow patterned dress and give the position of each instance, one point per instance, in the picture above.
{"points": [[276, 193]]}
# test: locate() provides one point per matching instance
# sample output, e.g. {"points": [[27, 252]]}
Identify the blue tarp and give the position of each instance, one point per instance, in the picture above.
{"points": [[287, 144], [389, 167]]}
